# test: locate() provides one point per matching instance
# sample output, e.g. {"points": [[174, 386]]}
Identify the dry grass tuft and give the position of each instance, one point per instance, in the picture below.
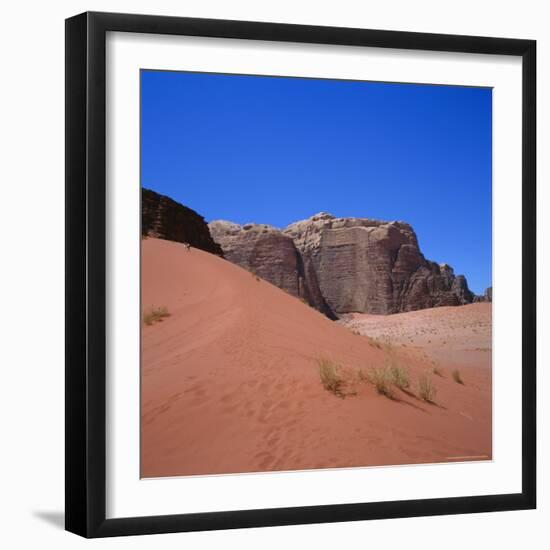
{"points": [[375, 343], [330, 377], [155, 314], [400, 377], [437, 371], [426, 389], [457, 377], [381, 378], [383, 343]]}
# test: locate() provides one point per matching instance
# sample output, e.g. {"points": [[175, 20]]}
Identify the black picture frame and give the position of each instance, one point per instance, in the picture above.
{"points": [[86, 275]]}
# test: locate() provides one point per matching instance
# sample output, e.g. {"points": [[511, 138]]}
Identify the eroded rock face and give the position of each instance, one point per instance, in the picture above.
{"points": [[343, 265], [266, 251], [165, 218], [373, 266]]}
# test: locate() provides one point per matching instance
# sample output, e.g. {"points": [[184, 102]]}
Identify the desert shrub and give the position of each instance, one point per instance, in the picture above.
{"points": [[330, 377], [381, 378], [437, 371], [375, 343], [400, 377], [426, 389], [155, 315], [457, 377], [382, 343]]}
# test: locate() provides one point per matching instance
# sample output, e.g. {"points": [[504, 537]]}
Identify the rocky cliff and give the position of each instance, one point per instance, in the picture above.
{"points": [[272, 255], [343, 265], [165, 218]]}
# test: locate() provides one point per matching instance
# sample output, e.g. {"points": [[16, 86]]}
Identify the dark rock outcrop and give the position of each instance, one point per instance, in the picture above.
{"points": [[165, 218], [343, 265]]}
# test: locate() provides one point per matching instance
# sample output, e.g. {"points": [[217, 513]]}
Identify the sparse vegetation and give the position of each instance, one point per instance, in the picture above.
{"points": [[155, 314], [426, 389], [381, 378], [457, 377], [437, 371], [375, 343], [400, 377], [382, 342], [330, 377]]}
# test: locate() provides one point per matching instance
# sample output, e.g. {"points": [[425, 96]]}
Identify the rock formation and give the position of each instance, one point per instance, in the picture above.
{"points": [[272, 255], [343, 265], [487, 296], [164, 218]]}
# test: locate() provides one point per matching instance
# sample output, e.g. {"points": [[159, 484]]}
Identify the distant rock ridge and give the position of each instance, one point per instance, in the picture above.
{"points": [[487, 296], [165, 218], [344, 265]]}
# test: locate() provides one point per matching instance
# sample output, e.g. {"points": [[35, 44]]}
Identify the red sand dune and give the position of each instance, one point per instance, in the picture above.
{"points": [[230, 382]]}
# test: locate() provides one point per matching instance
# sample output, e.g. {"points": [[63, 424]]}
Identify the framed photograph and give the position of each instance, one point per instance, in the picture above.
{"points": [[300, 274]]}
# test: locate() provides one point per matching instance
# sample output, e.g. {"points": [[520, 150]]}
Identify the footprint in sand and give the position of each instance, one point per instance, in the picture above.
{"points": [[265, 459], [283, 405]]}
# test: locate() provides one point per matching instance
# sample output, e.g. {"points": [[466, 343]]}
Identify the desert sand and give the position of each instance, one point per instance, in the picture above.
{"points": [[230, 377], [454, 336]]}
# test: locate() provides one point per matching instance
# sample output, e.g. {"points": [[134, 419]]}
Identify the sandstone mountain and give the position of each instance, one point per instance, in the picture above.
{"points": [[165, 218], [344, 265]]}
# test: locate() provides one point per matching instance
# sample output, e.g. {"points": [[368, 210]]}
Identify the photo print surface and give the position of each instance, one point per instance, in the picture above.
{"points": [[316, 274]]}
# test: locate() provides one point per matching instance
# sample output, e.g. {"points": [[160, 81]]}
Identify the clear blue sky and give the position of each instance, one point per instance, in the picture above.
{"points": [[277, 150]]}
